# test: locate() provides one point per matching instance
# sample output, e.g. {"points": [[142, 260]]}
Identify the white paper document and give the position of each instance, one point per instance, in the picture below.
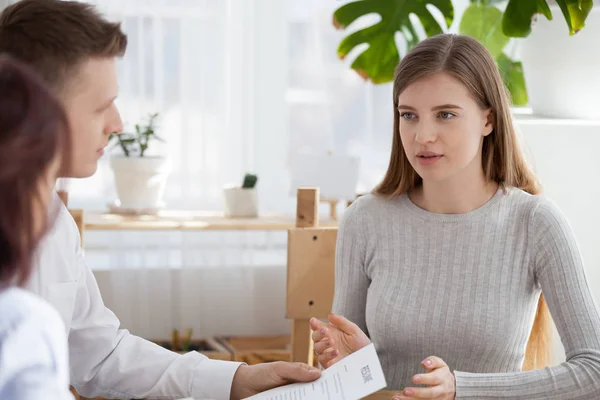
{"points": [[352, 378]]}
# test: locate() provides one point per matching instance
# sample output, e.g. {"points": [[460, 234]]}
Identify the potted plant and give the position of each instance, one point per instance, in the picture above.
{"points": [[241, 201], [561, 70], [140, 178], [483, 19]]}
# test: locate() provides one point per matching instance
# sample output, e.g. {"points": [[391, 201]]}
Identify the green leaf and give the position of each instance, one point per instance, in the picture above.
{"points": [[124, 146], [484, 23], [379, 61], [137, 142], [127, 141], [487, 2], [249, 181], [575, 13], [143, 148], [512, 74], [518, 15]]}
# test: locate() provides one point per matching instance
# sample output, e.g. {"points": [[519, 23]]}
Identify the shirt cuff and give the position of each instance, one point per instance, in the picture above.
{"points": [[469, 386], [213, 379]]}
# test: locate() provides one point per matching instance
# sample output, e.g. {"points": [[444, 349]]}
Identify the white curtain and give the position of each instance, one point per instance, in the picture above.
{"points": [[188, 61], [240, 85]]}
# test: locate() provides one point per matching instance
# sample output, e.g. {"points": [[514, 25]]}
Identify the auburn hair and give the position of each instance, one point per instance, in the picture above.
{"points": [[34, 134]]}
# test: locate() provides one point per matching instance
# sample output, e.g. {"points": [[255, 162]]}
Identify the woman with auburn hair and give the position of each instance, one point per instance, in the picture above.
{"points": [[34, 138], [450, 265]]}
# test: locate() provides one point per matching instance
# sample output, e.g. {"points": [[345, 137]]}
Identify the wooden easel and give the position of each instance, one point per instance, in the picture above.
{"points": [[332, 207], [311, 277]]}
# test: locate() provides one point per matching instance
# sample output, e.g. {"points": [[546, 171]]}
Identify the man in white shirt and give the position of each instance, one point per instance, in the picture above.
{"points": [[75, 50]]}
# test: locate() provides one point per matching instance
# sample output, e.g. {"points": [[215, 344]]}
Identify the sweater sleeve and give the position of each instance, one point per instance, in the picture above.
{"points": [[559, 271], [351, 280]]}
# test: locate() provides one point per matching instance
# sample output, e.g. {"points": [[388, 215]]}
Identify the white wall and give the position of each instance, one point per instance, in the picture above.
{"points": [[564, 154], [213, 301]]}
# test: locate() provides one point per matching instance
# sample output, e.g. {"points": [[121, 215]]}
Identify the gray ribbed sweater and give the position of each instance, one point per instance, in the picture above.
{"points": [[464, 287]]}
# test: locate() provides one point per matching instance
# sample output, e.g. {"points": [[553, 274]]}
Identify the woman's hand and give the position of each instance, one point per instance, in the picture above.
{"points": [[337, 339], [439, 379]]}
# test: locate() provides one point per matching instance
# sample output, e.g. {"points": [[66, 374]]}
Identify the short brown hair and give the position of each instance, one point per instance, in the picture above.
{"points": [[55, 36]]}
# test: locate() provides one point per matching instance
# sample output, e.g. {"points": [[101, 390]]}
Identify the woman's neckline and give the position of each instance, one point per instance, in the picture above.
{"points": [[460, 217]]}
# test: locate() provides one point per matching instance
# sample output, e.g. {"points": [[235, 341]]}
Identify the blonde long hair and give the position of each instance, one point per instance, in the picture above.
{"points": [[503, 162]]}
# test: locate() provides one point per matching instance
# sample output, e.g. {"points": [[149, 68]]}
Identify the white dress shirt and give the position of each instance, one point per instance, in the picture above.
{"points": [[105, 360], [33, 349]]}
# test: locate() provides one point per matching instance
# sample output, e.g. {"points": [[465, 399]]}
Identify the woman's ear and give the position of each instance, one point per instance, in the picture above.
{"points": [[489, 121]]}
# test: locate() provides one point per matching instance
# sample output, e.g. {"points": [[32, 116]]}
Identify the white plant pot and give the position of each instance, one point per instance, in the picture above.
{"points": [[140, 181], [241, 202], [562, 71]]}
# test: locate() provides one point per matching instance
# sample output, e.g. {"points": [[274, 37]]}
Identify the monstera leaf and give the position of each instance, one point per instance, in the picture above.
{"points": [[379, 61], [514, 79], [484, 23], [519, 13]]}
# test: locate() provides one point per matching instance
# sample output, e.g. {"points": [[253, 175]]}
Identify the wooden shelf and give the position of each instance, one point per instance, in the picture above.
{"points": [[189, 221]]}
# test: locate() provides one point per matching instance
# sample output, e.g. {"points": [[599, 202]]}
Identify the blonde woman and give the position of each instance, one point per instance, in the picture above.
{"points": [[443, 267]]}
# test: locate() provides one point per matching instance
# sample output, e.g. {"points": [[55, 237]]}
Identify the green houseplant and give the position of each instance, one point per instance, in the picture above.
{"points": [[242, 201], [136, 143], [561, 70], [140, 178], [483, 19]]}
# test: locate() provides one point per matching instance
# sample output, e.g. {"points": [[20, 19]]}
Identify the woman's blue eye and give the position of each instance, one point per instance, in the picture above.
{"points": [[407, 115], [446, 115]]}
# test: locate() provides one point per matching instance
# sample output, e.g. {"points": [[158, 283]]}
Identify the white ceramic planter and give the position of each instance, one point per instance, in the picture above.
{"points": [[562, 71], [140, 181], [240, 202]]}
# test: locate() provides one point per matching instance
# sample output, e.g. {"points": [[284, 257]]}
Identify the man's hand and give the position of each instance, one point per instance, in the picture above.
{"points": [[254, 379]]}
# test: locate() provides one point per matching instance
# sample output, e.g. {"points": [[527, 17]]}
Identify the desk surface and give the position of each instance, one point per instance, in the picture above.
{"points": [[190, 220]]}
